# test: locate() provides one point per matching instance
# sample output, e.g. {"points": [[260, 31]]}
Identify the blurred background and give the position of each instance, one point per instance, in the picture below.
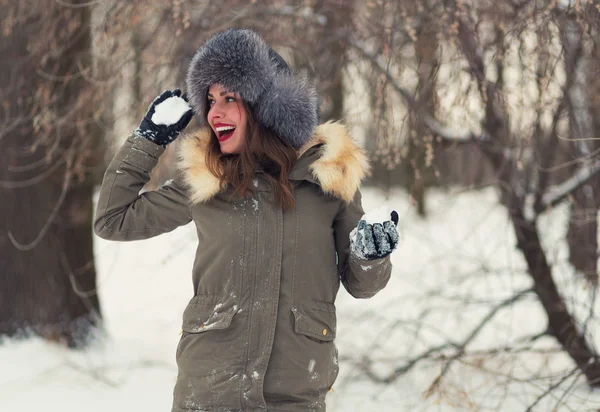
{"points": [[481, 120]]}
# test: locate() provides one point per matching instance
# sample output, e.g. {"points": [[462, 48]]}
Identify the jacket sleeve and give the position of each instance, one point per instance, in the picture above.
{"points": [[125, 214], [361, 278]]}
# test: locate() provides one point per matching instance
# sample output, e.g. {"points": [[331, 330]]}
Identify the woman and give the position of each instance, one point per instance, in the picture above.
{"points": [[274, 199]]}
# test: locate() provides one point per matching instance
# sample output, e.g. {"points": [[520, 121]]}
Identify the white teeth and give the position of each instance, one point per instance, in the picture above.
{"points": [[223, 128]]}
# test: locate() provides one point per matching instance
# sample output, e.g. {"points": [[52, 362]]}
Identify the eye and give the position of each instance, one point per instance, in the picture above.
{"points": [[230, 99], [211, 102]]}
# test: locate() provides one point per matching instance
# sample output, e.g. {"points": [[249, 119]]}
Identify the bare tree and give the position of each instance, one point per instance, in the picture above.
{"points": [[50, 146], [521, 134]]}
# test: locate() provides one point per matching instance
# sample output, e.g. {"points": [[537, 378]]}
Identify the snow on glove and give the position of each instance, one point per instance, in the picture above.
{"points": [[375, 236], [166, 118]]}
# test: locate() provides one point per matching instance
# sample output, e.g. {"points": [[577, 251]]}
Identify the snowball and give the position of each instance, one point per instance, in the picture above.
{"points": [[380, 215], [170, 111]]}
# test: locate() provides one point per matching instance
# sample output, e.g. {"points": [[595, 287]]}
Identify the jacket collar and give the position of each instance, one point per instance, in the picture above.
{"points": [[330, 159]]}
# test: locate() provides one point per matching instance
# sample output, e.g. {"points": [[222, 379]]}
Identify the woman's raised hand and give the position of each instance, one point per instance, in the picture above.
{"points": [[166, 118]]}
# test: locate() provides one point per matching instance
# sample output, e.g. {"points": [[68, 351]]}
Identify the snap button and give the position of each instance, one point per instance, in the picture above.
{"points": [[202, 326], [324, 332]]}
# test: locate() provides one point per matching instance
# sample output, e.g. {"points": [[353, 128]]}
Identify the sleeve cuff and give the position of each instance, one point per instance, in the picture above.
{"points": [[372, 263], [143, 153]]}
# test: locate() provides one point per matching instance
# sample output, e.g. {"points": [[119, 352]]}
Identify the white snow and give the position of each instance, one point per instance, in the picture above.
{"points": [[448, 272], [170, 111], [379, 215]]}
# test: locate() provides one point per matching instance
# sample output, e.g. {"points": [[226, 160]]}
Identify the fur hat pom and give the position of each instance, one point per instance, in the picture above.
{"points": [[236, 59], [290, 109]]}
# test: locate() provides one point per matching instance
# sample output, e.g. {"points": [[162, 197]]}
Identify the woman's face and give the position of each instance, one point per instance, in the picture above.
{"points": [[227, 117]]}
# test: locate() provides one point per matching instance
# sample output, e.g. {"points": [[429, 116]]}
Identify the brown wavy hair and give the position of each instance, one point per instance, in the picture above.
{"points": [[263, 150]]}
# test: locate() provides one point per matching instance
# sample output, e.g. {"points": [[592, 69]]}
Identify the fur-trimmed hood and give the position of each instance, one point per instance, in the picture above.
{"points": [[330, 159]]}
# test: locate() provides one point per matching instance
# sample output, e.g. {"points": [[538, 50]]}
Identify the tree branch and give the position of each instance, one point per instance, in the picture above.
{"points": [[552, 387], [461, 348], [404, 368], [446, 133], [558, 193]]}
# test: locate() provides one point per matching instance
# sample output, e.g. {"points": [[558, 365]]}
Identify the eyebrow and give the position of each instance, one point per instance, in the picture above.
{"points": [[220, 94]]}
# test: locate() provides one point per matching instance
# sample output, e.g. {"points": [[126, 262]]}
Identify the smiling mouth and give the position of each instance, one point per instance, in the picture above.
{"points": [[224, 133]]}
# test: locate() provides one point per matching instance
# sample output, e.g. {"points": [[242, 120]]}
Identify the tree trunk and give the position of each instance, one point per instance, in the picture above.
{"points": [[419, 168], [561, 324], [48, 283], [583, 222], [331, 55]]}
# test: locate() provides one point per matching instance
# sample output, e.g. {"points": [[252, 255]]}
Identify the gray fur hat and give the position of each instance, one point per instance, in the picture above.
{"points": [[240, 61]]}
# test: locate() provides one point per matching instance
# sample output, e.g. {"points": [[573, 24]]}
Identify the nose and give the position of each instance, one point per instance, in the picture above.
{"points": [[215, 112]]}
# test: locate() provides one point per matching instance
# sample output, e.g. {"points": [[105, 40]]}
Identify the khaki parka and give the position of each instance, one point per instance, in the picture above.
{"points": [[258, 332]]}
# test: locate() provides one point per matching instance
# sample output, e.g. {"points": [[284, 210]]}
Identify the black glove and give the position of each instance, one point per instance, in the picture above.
{"points": [[374, 241], [163, 134]]}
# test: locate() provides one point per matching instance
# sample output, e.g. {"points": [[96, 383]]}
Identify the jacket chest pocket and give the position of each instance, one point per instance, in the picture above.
{"points": [[317, 320]]}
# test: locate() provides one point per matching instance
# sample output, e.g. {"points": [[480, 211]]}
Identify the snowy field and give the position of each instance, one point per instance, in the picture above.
{"points": [[450, 271]]}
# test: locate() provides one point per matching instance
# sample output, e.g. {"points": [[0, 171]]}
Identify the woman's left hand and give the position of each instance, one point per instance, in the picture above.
{"points": [[376, 240]]}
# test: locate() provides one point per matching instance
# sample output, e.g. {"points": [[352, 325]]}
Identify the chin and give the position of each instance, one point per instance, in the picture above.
{"points": [[229, 150], [231, 147]]}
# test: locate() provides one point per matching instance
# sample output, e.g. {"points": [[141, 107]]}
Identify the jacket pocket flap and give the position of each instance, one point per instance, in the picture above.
{"points": [[317, 321], [206, 312]]}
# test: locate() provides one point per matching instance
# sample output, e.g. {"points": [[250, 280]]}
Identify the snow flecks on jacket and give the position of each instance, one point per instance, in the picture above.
{"points": [[314, 376]]}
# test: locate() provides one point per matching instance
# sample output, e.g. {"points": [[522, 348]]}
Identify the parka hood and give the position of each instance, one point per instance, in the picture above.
{"points": [[330, 159]]}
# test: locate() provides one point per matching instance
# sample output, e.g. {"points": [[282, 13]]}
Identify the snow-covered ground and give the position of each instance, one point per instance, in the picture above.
{"points": [[450, 271]]}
